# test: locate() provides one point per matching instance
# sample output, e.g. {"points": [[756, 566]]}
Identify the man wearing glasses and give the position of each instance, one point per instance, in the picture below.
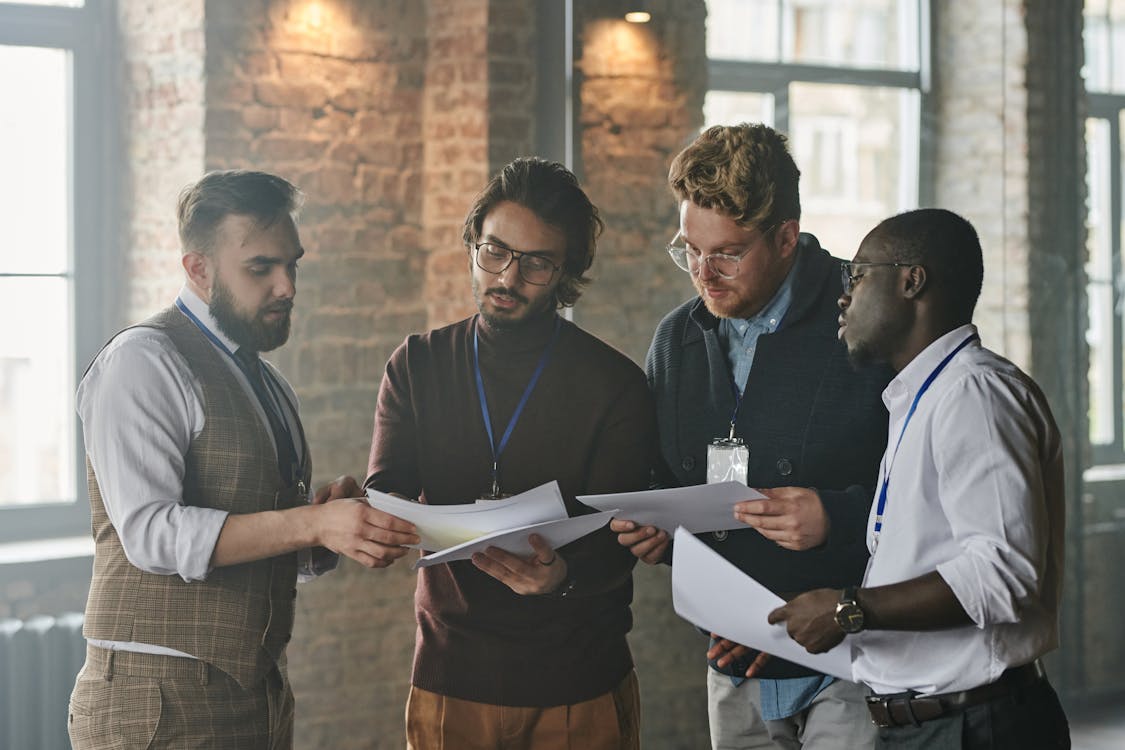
{"points": [[520, 652], [751, 383], [961, 596]]}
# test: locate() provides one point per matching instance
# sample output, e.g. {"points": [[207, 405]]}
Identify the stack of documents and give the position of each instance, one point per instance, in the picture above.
{"points": [[455, 532], [705, 507]]}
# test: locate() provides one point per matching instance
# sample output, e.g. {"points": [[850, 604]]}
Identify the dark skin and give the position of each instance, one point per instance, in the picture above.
{"points": [[892, 315]]}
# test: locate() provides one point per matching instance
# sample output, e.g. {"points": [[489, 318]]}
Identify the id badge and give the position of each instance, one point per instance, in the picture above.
{"points": [[728, 460]]}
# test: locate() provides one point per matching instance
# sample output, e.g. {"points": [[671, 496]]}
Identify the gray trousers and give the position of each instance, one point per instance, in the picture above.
{"points": [[836, 719]]}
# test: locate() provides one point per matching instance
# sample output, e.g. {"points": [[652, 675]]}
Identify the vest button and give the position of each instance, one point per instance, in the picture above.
{"points": [[720, 536], [688, 463], [784, 468]]}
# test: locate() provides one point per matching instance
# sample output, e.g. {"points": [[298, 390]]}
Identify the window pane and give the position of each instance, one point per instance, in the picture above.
{"points": [[742, 30], [34, 149], [733, 107], [862, 33], [36, 392], [1099, 286], [857, 148]]}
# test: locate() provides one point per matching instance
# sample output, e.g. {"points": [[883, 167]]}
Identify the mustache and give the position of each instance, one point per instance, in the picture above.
{"points": [[283, 306], [508, 292]]}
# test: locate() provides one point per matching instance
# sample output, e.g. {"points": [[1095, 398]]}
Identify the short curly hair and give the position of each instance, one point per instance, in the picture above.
{"points": [[745, 171], [550, 191]]}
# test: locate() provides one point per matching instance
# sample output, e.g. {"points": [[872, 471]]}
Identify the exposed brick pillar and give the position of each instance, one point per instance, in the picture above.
{"points": [[478, 104], [162, 113], [641, 101], [641, 92]]}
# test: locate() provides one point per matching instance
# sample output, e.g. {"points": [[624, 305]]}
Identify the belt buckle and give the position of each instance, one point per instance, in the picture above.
{"points": [[883, 702]]}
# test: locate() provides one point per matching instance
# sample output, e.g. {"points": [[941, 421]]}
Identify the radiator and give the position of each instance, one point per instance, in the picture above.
{"points": [[39, 658]]}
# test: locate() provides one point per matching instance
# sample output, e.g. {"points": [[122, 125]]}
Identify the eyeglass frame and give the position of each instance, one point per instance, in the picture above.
{"points": [[849, 279], [674, 249], [516, 255]]}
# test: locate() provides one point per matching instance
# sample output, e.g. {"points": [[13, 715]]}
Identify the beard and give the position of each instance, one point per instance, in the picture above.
{"points": [[251, 332], [517, 318]]}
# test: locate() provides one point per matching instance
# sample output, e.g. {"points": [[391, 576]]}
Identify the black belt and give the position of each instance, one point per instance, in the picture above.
{"points": [[910, 709]]}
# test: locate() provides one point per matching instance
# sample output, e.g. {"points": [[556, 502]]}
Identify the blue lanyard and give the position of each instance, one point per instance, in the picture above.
{"points": [[497, 450], [267, 400], [882, 505]]}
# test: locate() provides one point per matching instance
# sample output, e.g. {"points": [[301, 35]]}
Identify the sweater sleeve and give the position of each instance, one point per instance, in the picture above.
{"points": [[620, 461], [393, 463]]}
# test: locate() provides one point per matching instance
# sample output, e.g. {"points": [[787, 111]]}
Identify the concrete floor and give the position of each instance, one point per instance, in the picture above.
{"points": [[1099, 726]]}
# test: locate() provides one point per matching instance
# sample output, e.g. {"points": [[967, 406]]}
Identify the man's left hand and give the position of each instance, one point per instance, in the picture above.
{"points": [[345, 486], [810, 619], [793, 517], [539, 573]]}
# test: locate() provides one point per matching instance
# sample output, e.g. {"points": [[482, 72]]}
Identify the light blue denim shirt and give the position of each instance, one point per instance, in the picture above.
{"points": [[739, 338]]}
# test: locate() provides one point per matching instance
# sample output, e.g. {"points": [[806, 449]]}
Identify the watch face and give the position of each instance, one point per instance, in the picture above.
{"points": [[849, 617]]}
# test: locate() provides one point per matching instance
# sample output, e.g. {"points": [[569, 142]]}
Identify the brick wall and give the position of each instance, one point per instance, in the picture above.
{"points": [[162, 116], [640, 102], [980, 134]]}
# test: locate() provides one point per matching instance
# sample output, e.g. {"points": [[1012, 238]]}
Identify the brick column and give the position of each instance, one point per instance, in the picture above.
{"points": [[162, 113], [641, 101]]}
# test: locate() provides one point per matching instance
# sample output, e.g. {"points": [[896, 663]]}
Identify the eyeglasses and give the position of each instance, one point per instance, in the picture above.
{"points": [[849, 276], [533, 268], [721, 264]]}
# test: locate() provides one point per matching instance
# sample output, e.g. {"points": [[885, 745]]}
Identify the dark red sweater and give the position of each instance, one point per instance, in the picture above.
{"points": [[590, 425]]}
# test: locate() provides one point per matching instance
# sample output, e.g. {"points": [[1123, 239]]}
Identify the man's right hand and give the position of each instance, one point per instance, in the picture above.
{"points": [[647, 543], [369, 536]]}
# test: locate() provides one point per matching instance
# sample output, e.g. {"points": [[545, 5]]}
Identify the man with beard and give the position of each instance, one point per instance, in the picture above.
{"points": [[520, 652], [198, 473], [961, 594], [751, 384]]}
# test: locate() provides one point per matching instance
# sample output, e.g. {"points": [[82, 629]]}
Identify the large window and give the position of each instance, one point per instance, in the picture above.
{"points": [[53, 211], [845, 81], [1105, 291]]}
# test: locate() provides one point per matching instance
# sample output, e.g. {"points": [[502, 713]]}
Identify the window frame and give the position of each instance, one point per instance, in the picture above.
{"points": [[773, 78], [86, 33], [1111, 108]]}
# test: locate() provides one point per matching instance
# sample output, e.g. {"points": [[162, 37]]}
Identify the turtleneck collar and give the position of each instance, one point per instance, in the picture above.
{"points": [[530, 335]]}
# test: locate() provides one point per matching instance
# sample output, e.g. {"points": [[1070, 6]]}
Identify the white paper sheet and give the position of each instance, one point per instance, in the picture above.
{"points": [[704, 507], [443, 526], [557, 533], [714, 595]]}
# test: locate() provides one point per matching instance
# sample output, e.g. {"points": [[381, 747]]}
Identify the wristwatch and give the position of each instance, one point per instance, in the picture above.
{"points": [[849, 615]]}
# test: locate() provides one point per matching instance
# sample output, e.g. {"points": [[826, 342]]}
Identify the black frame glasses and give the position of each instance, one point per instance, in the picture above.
{"points": [[498, 258], [849, 277]]}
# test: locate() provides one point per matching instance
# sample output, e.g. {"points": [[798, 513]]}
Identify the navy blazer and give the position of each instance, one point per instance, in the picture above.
{"points": [[809, 418]]}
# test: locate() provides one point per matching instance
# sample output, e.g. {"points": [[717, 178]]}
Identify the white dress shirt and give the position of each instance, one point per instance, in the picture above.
{"points": [[976, 493], [141, 407]]}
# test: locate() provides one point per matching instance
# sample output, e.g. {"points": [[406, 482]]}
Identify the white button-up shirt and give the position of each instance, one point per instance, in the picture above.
{"points": [[976, 492]]}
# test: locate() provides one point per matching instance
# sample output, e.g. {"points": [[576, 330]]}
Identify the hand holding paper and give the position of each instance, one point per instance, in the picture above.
{"points": [[704, 507], [714, 595]]}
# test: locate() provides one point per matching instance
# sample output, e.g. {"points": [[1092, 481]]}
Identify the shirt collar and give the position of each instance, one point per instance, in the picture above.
{"points": [[202, 312], [911, 377]]}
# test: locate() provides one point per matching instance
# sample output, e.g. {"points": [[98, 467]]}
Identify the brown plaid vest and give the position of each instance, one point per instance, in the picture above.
{"points": [[241, 617]]}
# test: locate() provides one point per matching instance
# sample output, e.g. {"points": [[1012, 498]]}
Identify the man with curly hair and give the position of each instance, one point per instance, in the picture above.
{"points": [[751, 383]]}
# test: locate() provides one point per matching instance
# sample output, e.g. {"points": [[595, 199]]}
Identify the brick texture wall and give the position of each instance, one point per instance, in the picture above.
{"points": [[980, 134], [162, 117], [640, 102]]}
